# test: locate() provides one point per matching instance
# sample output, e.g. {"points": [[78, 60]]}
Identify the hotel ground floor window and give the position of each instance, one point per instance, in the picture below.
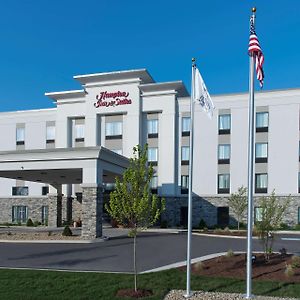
{"points": [[45, 210], [154, 184], [223, 216], [223, 184], [261, 183], [258, 214], [184, 184], [19, 214]]}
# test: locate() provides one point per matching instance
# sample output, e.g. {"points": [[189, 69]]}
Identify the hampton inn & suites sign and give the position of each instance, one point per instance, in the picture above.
{"points": [[106, 99]]}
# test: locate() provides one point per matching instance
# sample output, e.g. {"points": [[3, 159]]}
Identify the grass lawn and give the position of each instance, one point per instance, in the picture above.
{"points": [[27, 284]]}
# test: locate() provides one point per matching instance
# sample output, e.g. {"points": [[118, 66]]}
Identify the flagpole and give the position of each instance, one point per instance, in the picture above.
{"points": [[250, 171], [190, 195]]}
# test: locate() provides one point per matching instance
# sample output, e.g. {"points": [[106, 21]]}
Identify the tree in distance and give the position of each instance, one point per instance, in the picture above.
{"points": [[131, 203]]}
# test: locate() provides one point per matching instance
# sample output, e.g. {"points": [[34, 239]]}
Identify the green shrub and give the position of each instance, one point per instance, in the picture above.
{"points": [[49, 233], [36, 223], [202, 224], [297, 227], [67, 231], [295, 261], [29, 223], [229, 253], [284, 226], [199, 266]]}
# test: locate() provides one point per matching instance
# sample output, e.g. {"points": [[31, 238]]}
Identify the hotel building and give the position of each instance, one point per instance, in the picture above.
{"points": [[59, 164]]}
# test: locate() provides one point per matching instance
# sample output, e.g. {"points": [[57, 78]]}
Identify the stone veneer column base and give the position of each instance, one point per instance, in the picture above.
{"points": [[91, 212], [55, 210]]}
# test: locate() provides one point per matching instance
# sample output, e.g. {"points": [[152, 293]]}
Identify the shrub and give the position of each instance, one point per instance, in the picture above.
{"points": [[289, 271], [229, 253], [284, 226], [9, 233], [49, 233], [67, 231], [295, 261], [297, 227], [36, 223], [226, 229], [29, 223], [164, 224], [199, 266], [202, 224]]}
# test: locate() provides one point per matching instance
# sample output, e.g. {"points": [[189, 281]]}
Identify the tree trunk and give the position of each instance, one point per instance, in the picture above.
{"points": [[134, 259], [238, 224]]}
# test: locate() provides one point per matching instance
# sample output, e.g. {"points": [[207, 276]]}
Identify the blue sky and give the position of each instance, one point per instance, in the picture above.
{"points": [[45, 43]]}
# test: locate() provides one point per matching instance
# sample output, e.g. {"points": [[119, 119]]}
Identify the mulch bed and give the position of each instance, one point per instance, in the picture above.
{"points": [[131, 293], [235, 267]]}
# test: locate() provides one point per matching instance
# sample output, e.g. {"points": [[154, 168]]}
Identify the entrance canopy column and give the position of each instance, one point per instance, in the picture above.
{"points": [[55, 207]]}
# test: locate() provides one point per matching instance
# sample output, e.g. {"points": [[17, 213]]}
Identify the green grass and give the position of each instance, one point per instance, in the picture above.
{"points": [[27, 284]]}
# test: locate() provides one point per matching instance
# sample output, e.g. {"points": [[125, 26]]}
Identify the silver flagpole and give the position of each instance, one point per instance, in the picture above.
{"points": [[250, 172], [190, 201]]}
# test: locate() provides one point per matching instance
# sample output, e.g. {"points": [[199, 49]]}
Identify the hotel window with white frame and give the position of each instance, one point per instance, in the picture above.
{"points": [[79, 132], [261, 183], [258, 211], [20, 135], [19, 214], [50, 134], [113, 130], [186, 126], [152, 155], [223, 184], [152, 128], [262, 121], [224, 154], [20, 191], [224, 124], [154, 184], [184, 184], [261, 152], [185, 155]]}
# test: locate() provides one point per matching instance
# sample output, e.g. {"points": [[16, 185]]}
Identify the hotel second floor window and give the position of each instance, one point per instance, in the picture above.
{"points": [[224, 124], [223, 184], [261, 183], [20, 136], [152, 128], [184, 184], [261, 152], [50, 134], [20, 191], [113, 130], [224, 154], [185, 155], [186, 126], [262, 121], [152, 155], [19, 214], [45, 190], [79, 132]]}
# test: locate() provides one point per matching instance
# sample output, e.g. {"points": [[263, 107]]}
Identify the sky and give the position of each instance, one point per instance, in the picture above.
{"points": [[46, 42]]}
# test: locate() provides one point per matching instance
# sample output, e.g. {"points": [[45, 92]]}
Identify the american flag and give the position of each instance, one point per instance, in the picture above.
{"points": [[254, 49]]}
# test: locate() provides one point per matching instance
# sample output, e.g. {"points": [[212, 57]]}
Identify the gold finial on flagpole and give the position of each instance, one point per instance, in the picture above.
{"points": [[254, 9]]}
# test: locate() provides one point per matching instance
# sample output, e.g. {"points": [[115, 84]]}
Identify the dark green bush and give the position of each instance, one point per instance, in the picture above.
{"points": [[202, 224], [29, 223], [36, 223], [67, 231]]}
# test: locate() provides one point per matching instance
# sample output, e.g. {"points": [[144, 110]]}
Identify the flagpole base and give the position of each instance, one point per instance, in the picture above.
{"points": [[188, 295], [251, 296]]}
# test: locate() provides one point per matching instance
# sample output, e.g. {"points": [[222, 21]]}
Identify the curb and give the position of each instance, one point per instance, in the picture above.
{"points": [[223, 236]]}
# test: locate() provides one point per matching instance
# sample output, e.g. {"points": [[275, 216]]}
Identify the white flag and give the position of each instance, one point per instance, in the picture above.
{"points": [[201, 95]]}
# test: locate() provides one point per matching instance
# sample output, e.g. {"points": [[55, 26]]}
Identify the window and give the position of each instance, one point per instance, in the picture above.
{"points": [[152, 127], [185, 155], [50, 134], [224, 154], [223, 183], [184, 184], [20, 136], [261, 152], [258, 211], [186, 126], [152, 156], [262, 121], [79, 132], [113, 130], [261, 183], [154, 184], [224, 124], [19, 214], [118, 151], [45, 190], [45, 210], [20, 190]]}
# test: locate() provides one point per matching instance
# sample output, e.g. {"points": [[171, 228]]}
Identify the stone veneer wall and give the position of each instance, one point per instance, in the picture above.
{"points": [[34, 207], [206, 208]]}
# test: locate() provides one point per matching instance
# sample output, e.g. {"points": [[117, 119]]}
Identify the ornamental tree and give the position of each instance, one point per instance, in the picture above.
{"points": [[238, 203], [131, 203]]}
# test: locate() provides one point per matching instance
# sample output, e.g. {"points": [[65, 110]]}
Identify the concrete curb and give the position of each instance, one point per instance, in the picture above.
{"points": [[223, 236]]}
